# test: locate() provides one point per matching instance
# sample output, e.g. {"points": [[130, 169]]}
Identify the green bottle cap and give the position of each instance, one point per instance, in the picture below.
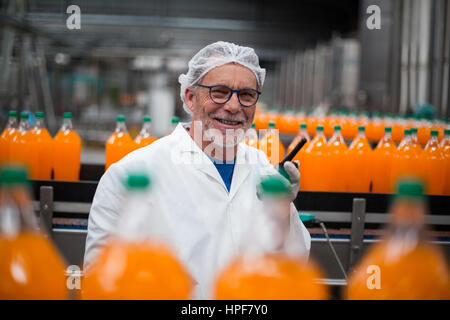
{"points": [[446, 131], [147, 119], [361, 128], [67, 115], [414, 130], [434, 133], [24, 115], [303, 126], [319, 127], [12, 113], [253, 125], [410, 187], [175, 120], [304, 217], [274, 185], [39, 115], [120, 118], [13, 175], [407, 131], [387, 129], [337, 127], [138, 181], [271, 124]]}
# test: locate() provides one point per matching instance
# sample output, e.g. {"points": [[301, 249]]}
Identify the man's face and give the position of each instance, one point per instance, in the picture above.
{"points": [[211, 114]]}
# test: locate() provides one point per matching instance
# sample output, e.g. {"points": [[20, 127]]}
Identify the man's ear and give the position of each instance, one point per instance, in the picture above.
{"points": [[189, 97]]}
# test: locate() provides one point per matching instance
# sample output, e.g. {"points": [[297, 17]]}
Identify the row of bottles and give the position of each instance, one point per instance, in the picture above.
{"points": [[288, 122], [38, 151], [332, 166], [138, 262]]}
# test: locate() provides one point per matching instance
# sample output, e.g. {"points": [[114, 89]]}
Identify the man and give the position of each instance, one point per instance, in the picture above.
{"points": [[205, 180]]}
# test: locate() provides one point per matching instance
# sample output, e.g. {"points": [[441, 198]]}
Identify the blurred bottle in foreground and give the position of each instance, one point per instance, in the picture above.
{"points": [[42, 150], [269, 267], [30, 266], [67, 151], [404, 265], [145, 136], [137, 262]]}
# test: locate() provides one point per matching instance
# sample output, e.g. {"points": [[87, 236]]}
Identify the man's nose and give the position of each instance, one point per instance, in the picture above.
{"points": [[233, 105]]}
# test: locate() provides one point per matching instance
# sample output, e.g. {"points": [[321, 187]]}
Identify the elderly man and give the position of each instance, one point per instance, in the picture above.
{"points": [[205, 180]]}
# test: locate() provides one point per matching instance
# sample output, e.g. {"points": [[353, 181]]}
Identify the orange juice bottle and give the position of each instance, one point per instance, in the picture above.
{"points": [[7, 136], [42, 150], [266, 269], [433, 164], [359, 160], [382, 163], [397, 129], [119, 143], [145, 136], [136, 262], [67, 151], [337, 150], [404, 265], [30, 266], [303, 133], [271, 145], [21, 142], [251, 137], [445, 148], [315, 174]]}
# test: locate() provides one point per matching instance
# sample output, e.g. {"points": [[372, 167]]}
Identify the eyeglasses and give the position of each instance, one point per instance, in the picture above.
{"points": [[221, 94]]}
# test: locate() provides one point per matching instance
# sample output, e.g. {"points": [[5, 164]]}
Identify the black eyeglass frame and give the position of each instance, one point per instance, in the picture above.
{"points": [[231, 93]]}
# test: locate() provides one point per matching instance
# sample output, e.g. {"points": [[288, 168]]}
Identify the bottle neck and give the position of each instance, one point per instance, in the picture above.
{"points": [[39, 124], [337, 136], [433, 142], [361, 134], [24, 125], [12, 123], [387, 135], [67, 125], [121, 127]]}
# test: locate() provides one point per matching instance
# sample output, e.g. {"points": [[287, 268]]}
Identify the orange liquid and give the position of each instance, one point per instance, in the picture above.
{"points": [[420, 274], [398, 132], [6, 139], [315, 172], [406, 162], [270, 277], [445, 148], [272, 147], [299, 156], [139, 271], [117, 147], [359, 160], [144, 141], [383, 156], [30, 268], [337, 150], [42, 154], [67, 155], [433, 164], [252, 139], [20, 148]]}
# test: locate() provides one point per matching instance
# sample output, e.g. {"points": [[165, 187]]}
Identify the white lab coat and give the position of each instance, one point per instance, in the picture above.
{"points": [[208, 223]]}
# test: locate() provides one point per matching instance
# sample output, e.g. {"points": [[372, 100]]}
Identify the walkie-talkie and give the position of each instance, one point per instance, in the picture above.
{"points": [[289, 157]]}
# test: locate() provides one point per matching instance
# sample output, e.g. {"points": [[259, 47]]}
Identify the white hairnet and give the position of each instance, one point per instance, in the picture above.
{"points": [[215, 55]]}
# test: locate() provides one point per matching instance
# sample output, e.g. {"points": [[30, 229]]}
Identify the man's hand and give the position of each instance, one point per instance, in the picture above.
{"points": [[294, 177]]}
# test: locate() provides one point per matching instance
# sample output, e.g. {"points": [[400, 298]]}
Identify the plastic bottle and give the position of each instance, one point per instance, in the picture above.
{"points": [[7, 136], [406, 161], [268, 267], [303, 133], [445, 148], [271, 145], [145, 136], [415, 140], [30, 266], [433, 164], [174, 123], [21, 143], [315, 174], [359, 160], [42, 150], [383, 156], [67, 151], [337, 150], [251, 137], [404, 265], [136, 262], [119, 143]]}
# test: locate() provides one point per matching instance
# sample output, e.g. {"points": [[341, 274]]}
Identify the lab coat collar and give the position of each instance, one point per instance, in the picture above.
{"points": [[203, 163]]}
